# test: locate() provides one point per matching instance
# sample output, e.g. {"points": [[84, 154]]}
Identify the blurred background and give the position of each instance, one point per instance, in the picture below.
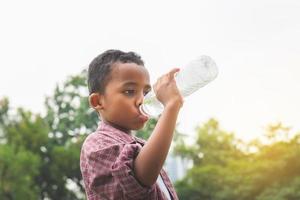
{"points": [[236, 138]]}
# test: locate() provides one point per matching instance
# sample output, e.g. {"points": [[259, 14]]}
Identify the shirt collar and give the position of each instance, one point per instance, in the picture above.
{"points": [[111, 131]]}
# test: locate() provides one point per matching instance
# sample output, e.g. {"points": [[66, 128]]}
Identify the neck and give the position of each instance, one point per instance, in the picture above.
{"points": [[117, 126]]}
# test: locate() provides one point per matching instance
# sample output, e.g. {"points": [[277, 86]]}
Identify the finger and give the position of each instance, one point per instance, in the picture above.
{"points": [[172, 73], [174, 70]]}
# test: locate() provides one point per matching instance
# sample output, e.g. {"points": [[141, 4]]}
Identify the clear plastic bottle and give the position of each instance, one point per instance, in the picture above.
{"points": [[189, 79]]}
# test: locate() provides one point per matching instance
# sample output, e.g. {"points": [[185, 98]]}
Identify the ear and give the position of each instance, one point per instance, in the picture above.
{"points": [[95, 100]]}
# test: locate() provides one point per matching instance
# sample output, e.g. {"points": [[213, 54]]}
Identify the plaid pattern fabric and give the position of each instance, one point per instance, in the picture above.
{"points": [[106, 164]]}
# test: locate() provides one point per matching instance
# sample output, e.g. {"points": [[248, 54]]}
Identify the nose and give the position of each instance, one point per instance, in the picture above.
{"points": [[140, 99]]}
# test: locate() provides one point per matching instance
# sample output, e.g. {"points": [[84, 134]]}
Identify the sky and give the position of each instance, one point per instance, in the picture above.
{"points": [[255, 44]]}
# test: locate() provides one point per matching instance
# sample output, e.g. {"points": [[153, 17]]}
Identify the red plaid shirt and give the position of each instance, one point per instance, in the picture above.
{"points": [[106, 164]]}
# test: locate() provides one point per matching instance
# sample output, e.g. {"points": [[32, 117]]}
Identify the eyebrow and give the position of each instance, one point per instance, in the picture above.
{"points": [[131, 83]]}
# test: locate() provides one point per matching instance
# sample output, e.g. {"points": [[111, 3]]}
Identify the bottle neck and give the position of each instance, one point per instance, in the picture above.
{"points": [[143, 110]]}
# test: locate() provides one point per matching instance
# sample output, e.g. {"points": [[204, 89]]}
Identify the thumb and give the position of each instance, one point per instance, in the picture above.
{"points": [[172, 73]]}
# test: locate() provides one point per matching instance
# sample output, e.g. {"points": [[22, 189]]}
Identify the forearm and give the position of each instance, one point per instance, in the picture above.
{"points": [[152, 156]]}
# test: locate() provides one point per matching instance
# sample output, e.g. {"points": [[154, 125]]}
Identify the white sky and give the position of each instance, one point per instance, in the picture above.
{"points": [[256, 45]]}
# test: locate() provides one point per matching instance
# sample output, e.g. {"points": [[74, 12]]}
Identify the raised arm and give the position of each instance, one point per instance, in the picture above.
{"points": [[151, 158]]}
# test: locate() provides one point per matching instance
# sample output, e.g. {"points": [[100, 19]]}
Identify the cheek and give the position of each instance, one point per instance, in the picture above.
{"points": [[121, 106], [126, 107]]}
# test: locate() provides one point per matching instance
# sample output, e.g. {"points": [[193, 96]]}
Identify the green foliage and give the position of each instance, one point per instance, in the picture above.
{"points": [[225, 168], [20, 153], [68, 111], [40, 155], [27, 131], [147, 130], [4, 107], [289, 191], [70, 119], [17, 173]]}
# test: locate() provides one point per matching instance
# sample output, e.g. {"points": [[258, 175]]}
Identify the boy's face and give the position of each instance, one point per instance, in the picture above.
{"points": [[123, 95]]}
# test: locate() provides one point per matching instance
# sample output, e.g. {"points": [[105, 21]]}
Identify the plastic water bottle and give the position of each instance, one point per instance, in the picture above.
{"points": [[189, 79]]}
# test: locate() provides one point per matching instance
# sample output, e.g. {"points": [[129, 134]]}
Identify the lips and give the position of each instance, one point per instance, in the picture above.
{"points": [[143, 118]]}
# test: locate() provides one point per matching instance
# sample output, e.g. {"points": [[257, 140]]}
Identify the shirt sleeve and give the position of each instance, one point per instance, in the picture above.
{"points": [[112, 172]]}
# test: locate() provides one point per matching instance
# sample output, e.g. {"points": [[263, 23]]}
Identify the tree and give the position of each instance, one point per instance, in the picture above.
{"points": [[18, 170], [22, 137], [70, 120], [50, 145], [226, 169], [212, 151], [288, 191]]}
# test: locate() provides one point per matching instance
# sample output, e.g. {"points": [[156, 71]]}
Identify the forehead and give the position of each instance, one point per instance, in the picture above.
{"points": [[125, 72]]}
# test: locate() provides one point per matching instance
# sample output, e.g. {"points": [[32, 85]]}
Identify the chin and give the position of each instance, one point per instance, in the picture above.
{"points": [[138, 127]]}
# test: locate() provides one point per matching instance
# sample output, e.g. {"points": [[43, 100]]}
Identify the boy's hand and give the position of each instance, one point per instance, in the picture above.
{"points": [[166, 90]]}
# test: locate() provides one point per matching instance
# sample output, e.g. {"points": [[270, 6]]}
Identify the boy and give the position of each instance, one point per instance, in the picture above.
{"points": [[115, 164]]}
